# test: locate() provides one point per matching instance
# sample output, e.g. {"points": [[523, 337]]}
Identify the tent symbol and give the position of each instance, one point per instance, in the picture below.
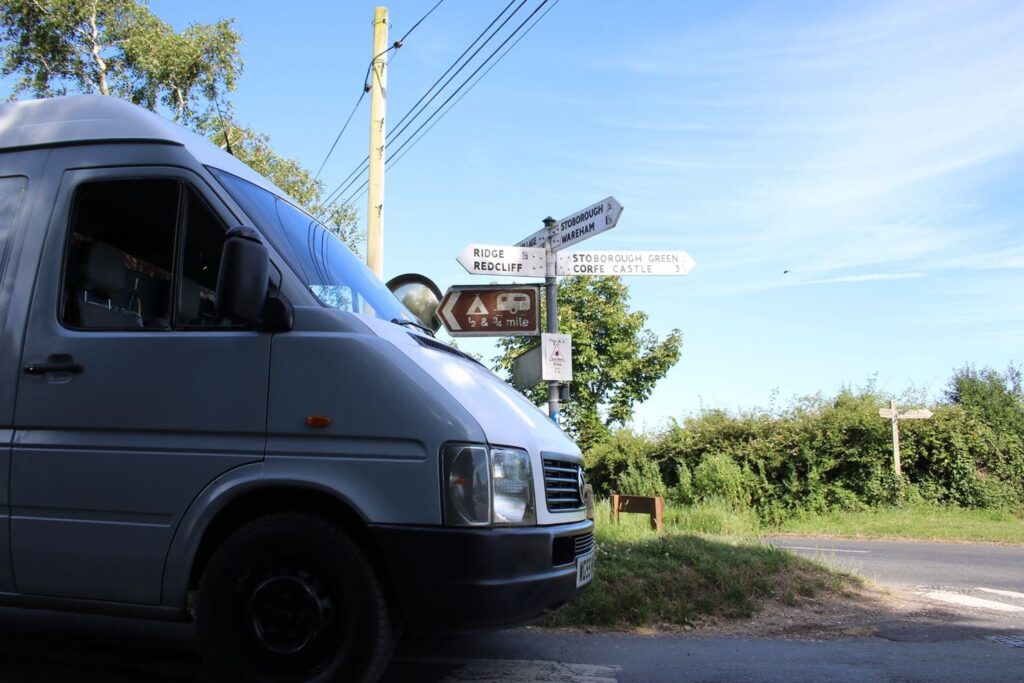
{"points": [[477, 307]]}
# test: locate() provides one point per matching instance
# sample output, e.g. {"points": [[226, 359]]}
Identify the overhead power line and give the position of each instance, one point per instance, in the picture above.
{"points": [[340, 133], [437, 114], [397, 44], [416, 25], [353, 176], [399, 128], [395, 159]]}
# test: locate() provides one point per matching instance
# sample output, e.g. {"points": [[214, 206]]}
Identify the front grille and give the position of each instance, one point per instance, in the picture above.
{"points": [[561, 485], [566, 549], [584, 544]]}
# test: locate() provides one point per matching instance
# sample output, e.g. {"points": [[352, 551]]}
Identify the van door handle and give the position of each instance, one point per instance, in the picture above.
{"points": [[58, 362]]}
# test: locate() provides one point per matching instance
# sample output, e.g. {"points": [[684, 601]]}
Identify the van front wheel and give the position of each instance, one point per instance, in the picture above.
{"points": [[290, 597]]}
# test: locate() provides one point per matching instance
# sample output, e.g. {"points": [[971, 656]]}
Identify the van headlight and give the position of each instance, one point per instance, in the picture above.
{"points": [[484, 486], [513, 487]]}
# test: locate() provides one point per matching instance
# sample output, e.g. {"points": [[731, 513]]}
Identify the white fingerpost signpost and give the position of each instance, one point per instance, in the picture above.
{"points": [[541, 255]]}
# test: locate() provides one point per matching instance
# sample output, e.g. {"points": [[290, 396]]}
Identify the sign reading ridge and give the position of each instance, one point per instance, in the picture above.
{"points": [[499, 259]]}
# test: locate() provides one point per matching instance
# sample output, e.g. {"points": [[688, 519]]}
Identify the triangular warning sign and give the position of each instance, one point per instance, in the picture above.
{"points": [[556, 354], [477, 307]]}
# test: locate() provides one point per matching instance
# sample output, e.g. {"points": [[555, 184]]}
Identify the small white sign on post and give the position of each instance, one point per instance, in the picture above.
{"points": [[556, 357], [624, 263], [500, 259]]}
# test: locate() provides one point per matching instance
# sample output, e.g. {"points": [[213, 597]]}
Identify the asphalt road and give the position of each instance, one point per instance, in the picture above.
{"points": [[48, 647], [917, 563]]}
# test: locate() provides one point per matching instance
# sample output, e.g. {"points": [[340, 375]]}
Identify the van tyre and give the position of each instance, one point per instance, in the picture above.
{"points": [[290, 598]]}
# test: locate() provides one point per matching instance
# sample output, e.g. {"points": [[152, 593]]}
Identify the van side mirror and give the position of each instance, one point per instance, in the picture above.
{"points": [[243, 277], [420, 295]]}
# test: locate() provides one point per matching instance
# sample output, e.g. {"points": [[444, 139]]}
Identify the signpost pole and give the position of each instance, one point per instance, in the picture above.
{"points": [[551, 299], [894, 414], [897, 466]]}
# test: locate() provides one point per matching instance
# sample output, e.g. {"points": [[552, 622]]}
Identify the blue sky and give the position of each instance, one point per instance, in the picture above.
{"points": [[875, 150]]}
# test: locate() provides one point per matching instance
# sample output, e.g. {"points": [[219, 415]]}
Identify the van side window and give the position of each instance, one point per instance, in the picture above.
{"points": [[11, 191], [204, 242], [120, 255]]}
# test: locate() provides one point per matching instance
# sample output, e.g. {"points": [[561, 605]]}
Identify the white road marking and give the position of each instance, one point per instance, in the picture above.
{"points": [[1009, 641], [1005, 594], [523, 671], [968, 601], [823, 550]]}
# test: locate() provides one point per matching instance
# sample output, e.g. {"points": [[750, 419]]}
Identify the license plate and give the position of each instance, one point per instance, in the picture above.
{"points": [[584, 569]]}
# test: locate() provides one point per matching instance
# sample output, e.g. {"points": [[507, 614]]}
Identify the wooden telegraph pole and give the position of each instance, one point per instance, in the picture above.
{"points": [[378, 105], [893, 413]]}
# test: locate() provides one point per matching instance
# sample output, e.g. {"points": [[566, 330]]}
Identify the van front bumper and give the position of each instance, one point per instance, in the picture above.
{"points": [[454, 579]]}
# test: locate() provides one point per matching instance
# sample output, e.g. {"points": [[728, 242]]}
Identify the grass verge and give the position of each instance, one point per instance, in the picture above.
{"points": [[646, 579], [922, 522]]}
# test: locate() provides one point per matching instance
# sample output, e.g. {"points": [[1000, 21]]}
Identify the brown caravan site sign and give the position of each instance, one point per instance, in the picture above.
{"points": [[491, 310]]}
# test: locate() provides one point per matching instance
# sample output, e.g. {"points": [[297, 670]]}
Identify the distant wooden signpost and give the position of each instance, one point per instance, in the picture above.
{"points": [[893, 413]]}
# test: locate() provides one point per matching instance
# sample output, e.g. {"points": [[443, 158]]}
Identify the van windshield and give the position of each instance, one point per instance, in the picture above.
{"points": [[335, 276]]}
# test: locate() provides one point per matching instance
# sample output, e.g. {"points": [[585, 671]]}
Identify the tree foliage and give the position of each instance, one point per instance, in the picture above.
{"points": [[835, 453], [993, 397], [120, 48], [616, 362]]}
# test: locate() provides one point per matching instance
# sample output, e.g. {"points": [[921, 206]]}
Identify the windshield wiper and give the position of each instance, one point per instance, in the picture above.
{"points": [[410, 323]]}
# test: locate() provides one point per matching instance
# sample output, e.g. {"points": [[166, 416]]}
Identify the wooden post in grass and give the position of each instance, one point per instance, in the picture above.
{"points": [[649, 505], [893, 413]]}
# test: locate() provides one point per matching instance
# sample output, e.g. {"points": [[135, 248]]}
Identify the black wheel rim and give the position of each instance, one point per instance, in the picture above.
{"points": [[288, 621]]}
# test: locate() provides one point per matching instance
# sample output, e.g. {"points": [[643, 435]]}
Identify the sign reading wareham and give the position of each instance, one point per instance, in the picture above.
{"points": [[582, 225]]}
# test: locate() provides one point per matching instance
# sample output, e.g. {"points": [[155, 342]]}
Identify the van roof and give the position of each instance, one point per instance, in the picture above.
{"points": [[77, 119]]}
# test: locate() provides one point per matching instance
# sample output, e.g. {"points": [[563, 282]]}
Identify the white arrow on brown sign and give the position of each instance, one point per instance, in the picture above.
{"points": [[491, 310]]}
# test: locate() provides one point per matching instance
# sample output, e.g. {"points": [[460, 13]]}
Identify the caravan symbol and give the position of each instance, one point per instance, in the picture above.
{"points": [[513, 302]]}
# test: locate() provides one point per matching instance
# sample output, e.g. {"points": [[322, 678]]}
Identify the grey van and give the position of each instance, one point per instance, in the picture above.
{"points": [[210, 410]]}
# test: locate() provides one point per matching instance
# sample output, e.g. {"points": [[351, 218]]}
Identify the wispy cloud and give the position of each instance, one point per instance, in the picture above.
{"points": [[866, 277], [851, 137], [1011, 258]]}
